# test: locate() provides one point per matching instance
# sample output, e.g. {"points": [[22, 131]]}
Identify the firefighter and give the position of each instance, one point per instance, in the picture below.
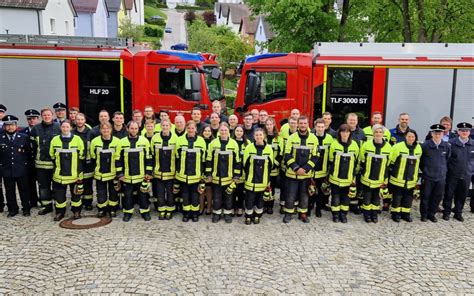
{"points": [[67, 152], [214, 124], [273, 139], [73, 111], [32, 117], [295, 114], [148, 130], [164, 115], [460, 171], [134, 170], [397, 134], [434, 165], [374, 160], [163, 151], [404, 164], [357, 133], [190, 160], [301, 155], [249, 128], [15, 155], [257, 163], [343, 155], [119, 130], [3, 109], [137, 116], [180, 125], [41, 136], [196, 116], [292, 128], [447, 122], [233, 123], [61, 114], [103, 153], [376, 119], [321, 169], [327, 118], [104, 116], [84, 132], [239, 194], [205, 198], [223, 169]]}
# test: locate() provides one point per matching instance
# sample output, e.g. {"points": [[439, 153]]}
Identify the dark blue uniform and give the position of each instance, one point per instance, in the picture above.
{"points": [[32, 173], [15, 154], [460, 171], [434, 165]]}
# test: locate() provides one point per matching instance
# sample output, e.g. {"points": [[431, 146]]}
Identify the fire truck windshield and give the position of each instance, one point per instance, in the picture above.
{"points": [[214, 86]]}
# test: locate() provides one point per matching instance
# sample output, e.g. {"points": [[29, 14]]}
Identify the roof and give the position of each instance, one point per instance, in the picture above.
{"points": [[32, 4], [266, 27], [89, 6], [113, 5], [249, 24], [237, 12], [128, 4]]}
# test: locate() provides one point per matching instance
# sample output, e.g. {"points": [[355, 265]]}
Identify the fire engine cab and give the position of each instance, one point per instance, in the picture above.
{"points": [[426, 80], [100, 73]]}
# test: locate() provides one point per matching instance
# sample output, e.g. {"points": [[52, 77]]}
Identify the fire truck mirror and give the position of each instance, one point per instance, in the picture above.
{"points": [[196, 82], [196, 97], [216, 74], [251, 89]]}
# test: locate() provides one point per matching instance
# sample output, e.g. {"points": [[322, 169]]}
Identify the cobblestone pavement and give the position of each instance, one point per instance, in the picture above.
{"points": [[171, 257]]}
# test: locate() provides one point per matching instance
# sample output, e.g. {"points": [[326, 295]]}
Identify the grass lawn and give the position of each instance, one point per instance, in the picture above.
{"points": [[150, 11]]}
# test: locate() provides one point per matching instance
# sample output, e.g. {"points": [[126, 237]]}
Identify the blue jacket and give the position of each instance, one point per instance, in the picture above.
{"points": [[14, 156], [461, 162], [397, 135], [434, 160]]}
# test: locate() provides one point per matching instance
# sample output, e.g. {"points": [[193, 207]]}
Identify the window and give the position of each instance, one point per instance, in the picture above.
{"points": [[52, 24], [270, 86], [176, 81], [214, 87]]}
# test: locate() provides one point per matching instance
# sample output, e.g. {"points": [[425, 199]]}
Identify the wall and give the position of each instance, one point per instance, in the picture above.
{"points": [[19, 21], [84, 24], [260, 38], [100, 20], [62, 13], [112, 25]]}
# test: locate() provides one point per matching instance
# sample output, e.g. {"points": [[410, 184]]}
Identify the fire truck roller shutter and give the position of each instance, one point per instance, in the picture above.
{"points": [[464, 97], [31, 84], [424, 93]]}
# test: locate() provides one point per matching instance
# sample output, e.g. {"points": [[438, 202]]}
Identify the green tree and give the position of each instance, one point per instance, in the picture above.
{"points": [[220, 40], [129, 30]]}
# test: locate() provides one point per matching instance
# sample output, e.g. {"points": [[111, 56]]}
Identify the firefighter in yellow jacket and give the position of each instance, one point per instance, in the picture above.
{"points": [[405, 162], [321, 197], [301, 155], [343, 155], [258, 162], [374, 161], [190, 162], [163, 150], [134, 170], [223, 169], [103, 153], [273, 138], [67, 152]]}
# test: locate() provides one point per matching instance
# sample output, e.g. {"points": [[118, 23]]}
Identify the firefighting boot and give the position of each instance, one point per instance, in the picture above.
{"points": [[215, 218], [343, 216], [367, 216], [407, 217], [195, 216], [227, 218], [248, 219], [256, 219], [375, 218], [46, 210], [335, 217], [396, 217], [185, 216], [126, 217], [169, 215], [287, 218], [459, 217], [146, 216], [162, 215]]}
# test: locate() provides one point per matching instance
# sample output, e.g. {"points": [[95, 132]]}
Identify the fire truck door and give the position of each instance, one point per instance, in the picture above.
{"points": [[99, 88], [349, 90]]}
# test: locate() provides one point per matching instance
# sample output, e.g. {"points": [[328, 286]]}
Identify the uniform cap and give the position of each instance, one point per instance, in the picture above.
{"points": [[59, 106], [10, 119], [31, 113], [464, 126], [3, 108], [437, 128]]}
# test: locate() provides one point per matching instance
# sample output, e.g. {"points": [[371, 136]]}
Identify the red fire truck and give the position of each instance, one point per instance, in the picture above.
{"points": [[100, 73], [426, 80]]}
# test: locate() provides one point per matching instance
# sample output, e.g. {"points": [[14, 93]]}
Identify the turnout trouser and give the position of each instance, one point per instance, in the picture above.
{"points": [[402, 200], [297, 191], [431, 195], [87, 195], [456, 189], [61, 201], [107, 197], [253, 203], [190, 195], [45, 180], [163, 191], [23, 189], [221, 201], [128, 202], [371, 199], [339, 199], [32, 184], [239, 196]]}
